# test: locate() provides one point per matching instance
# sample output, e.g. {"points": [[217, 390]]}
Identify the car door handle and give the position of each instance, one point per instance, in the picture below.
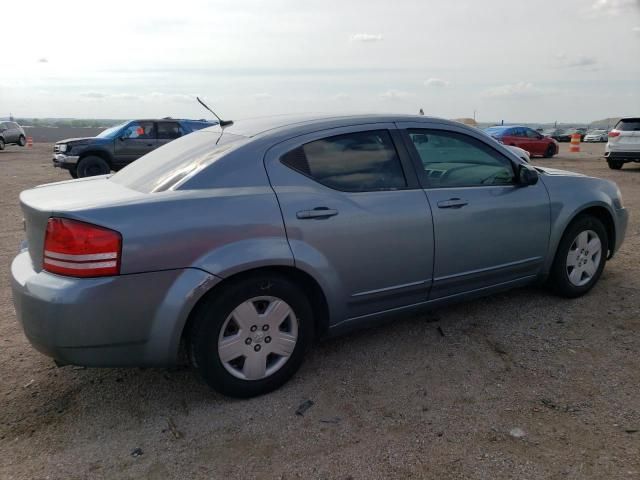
{"points": [[318, 212], [453, 203]]}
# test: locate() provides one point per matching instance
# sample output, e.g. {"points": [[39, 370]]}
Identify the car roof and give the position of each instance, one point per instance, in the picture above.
{"points": [[169, 119], [253, 127]]}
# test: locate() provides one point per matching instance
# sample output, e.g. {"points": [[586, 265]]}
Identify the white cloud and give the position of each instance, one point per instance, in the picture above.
{"points": [[436, 83], [614, 7], [43, 60], [366, 37], [93, 95], [636, 30], [341, 96], [396, 95], [514, 90], [262, 96]]}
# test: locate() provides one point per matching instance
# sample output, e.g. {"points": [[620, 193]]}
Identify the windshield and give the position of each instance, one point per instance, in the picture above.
{"points": [[111, 132], [168, 165]]}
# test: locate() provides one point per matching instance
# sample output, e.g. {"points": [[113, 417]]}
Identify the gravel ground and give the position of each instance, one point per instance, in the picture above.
{"points": [[518, 385]]}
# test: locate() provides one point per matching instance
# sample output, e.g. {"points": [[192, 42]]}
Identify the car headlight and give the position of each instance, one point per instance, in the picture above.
{"points": [[62, 147]]}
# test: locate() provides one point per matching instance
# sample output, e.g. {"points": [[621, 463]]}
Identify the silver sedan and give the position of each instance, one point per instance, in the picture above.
{"points": [[241, 246]]}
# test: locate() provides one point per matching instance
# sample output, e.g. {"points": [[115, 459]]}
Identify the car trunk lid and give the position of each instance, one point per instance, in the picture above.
{"points": [[64, 199]]}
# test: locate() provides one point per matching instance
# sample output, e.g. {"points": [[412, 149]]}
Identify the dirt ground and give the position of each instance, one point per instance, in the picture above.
{"points": [[436, 396]]}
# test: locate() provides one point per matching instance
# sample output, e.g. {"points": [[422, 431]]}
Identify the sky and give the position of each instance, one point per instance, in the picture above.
{"points": [[533, 61]]}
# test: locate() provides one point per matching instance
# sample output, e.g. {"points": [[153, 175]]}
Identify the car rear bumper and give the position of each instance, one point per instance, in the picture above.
{"points": [[126, 320], [61, 160], [621, 155]]}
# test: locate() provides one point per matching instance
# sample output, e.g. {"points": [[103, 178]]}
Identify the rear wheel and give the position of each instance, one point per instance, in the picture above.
{"points": [[2, 143], [91, 166], [580, 257], [615, 164], [550, 151], [251, 337], [22, 141]]}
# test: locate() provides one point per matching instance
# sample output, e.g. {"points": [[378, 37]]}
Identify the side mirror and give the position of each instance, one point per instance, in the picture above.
{"points": [[527, 175]]}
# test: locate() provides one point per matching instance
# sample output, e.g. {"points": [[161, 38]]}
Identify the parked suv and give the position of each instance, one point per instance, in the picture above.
{"points": [[11, 133], [118, 146], [624, 143]]}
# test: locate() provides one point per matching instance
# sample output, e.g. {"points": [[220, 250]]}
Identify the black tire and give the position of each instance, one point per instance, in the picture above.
{"points": [[550, 151], [2, 144], [22, 141], [559, 277], [615, 164], [91, 166], [211, 316], [73, 171]]}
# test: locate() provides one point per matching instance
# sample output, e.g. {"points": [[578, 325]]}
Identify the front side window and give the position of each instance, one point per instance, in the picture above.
{"points": [[169, 130], [451, 159], [139, 130], [532, 133], [354, 162]]}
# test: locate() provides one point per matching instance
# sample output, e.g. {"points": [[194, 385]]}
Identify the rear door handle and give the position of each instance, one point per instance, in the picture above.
{"points": [[453, 203], [318, 212]]}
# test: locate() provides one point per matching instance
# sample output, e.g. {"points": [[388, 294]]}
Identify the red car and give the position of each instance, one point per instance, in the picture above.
{"points": [[525, 138]]}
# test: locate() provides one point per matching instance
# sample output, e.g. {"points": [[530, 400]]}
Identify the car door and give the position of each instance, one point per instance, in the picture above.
{"points": [[168, 131], [135, 140], [534, 142], [10, 133], [355, 216], [488, 230]]}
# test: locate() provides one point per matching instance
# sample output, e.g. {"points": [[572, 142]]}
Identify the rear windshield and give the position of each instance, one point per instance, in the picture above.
{"points": [[168, 165], [629, 125]]}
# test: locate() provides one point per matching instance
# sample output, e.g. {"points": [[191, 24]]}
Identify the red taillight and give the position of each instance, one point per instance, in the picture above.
{"points": [[79, 249], [614, 133]]}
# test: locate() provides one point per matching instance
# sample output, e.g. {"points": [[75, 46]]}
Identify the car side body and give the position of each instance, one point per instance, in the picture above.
{"points": [[11, 134], [120, 145], [526, 138], [217, 205]]}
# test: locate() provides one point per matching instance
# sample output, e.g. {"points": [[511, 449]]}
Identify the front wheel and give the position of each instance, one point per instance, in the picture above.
{"points": [[580, 257], [250, 337], [615, 164], [2, 144], [91, 166], [22, 141]]}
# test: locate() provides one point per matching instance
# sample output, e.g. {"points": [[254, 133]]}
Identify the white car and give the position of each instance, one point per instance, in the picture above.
{"points": [[624, 143], [596, 136], [523, 154]]}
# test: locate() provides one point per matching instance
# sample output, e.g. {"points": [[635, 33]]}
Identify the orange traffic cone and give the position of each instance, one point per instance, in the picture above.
{"points": [[30, 142], [575, 143]]}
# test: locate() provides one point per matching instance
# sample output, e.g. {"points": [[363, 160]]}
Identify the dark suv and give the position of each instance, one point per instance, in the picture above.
{"points": [[118, 146], [11, 133]]}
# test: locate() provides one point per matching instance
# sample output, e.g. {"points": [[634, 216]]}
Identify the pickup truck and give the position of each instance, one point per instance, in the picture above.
{"points": [[118, 146]]}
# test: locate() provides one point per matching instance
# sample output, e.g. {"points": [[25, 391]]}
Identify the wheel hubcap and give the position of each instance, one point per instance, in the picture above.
{"points": [[257, 338], [584, 258]]}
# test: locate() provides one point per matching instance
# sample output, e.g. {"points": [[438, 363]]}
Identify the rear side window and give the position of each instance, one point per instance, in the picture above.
{"points": [[354, 162], [629, 125], [169, 130]]}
